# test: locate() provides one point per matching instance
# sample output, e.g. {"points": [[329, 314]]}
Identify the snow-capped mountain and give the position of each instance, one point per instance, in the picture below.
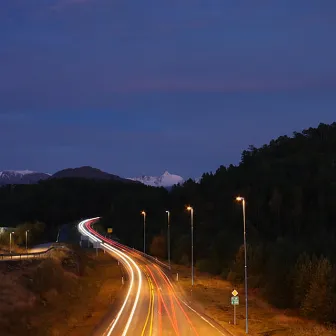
{"points": [[166, 180], [21, 177]]}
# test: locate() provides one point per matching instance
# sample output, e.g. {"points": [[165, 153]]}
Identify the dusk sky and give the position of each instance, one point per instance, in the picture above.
{"points": [[142, 86]]}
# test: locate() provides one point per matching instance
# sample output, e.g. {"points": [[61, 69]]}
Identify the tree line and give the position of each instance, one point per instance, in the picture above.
{"points": [[290, 191]]}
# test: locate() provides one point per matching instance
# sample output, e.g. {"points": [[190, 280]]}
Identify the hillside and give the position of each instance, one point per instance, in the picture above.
{"points": [[37, 294], [88, 173]]}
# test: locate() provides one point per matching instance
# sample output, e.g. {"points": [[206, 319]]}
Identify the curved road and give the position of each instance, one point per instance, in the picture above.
{"points": [[151, 305]]}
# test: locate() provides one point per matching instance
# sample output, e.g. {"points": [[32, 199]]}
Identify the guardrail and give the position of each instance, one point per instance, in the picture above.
{"points": [[24, 256], [145, 255]]}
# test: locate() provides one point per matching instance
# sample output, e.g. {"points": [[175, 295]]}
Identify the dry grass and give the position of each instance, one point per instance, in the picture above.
{"points": [[97, 293], [67, 294], [213, 295], [4, 249]]}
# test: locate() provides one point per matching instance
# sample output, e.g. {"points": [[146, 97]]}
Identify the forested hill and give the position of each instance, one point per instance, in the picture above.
{"points": [[290, 191], [289, 184]]}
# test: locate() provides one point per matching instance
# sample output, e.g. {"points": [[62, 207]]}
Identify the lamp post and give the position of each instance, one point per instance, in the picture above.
{"points": [[242, 200], [144, 223], [189, 208], [168, 234], [10, 242], [27, 240]]}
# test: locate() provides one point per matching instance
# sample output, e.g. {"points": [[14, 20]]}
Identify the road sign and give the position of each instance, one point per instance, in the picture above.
{"points": [[235, 300], [109, 230]]}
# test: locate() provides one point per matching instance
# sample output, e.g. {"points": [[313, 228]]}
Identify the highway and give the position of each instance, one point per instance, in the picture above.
{"points": [[151, 305]]}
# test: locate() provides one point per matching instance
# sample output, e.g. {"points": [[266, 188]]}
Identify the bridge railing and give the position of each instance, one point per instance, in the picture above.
{"points": [[22, 256]]}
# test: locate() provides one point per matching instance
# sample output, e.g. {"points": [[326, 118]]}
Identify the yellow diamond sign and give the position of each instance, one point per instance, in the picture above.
{"points": [[234, 293], [109, 230]]}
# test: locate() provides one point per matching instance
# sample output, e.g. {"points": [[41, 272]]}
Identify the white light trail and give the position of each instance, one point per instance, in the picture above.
{"points": [[127, 261], [129, 289]]}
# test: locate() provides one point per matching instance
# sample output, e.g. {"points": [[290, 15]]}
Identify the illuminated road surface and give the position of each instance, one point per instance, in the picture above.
{"points": [[151, 306]]}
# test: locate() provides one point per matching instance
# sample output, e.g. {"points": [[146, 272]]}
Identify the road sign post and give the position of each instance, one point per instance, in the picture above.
{"points": [[234, 302], [96, 245]]}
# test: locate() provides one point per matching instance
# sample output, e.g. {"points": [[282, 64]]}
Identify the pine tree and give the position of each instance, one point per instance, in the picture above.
{"points": [[302, 278], [319, 300]]}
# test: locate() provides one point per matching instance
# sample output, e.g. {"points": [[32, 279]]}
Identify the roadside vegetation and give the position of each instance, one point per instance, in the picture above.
{"points": [[67, 294], [212, 296]]}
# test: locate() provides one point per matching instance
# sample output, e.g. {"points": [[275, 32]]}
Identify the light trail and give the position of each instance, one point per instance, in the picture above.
{"points": [[150, 309], [128, 293], [171, 290], [193, 310], [111, 248], [83, 228], [132, 261], [85, 232], [152, 317], [175, 327]]}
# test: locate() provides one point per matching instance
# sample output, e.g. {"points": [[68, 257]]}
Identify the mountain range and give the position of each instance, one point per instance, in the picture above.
{"points": [[21, 177], [166, 180]]}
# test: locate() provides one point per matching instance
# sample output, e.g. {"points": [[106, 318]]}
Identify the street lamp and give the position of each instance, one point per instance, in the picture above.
{"points": [[168, 234], [144, 219], [189, 208], [27, 240], [242, 200], [10, 242]]}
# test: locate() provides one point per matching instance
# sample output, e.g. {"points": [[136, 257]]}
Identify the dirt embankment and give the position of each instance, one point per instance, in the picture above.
{"points": [[67, 294], [214, 297]]}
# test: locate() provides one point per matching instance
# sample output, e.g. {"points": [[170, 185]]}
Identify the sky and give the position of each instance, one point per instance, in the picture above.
{"points": [[139, 87]]}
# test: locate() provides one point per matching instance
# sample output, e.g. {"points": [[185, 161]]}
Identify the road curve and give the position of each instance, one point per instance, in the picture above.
{"points": [[151, 305]]}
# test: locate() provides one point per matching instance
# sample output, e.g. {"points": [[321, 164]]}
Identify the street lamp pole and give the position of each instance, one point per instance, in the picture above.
{"points": [[189, 208], [168, 234], [144, 219], [242, 200], [27, 240], [10, 242]]}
